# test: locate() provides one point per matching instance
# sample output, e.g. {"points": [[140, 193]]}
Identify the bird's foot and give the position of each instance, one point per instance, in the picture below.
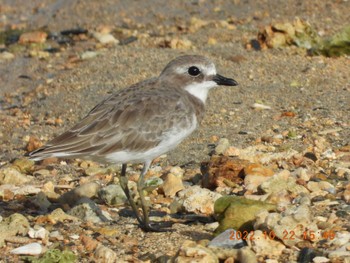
{"points": [[156, 227]]}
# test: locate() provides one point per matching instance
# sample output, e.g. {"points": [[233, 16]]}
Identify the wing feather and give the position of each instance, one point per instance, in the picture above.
{"points": [[134, 119]]}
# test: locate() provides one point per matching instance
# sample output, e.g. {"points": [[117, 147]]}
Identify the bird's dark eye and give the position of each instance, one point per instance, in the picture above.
{"points": [[194, 71]]}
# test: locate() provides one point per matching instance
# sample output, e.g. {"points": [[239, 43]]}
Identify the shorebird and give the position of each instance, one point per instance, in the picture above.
{"points": [[141, 122]]}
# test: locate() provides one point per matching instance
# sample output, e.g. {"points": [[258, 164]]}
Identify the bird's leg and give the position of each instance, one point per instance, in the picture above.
{"points": [[124, 186], [140, 187], [146, 225]]}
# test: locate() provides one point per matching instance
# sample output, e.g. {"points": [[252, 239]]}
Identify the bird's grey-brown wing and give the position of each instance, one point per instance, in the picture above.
{"points": [[126, 121]]}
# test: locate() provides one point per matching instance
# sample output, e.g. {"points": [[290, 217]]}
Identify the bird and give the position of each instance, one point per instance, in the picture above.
{"points": [[139, 123]]}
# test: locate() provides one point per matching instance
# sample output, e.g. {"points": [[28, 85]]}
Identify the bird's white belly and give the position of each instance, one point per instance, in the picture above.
{"points": [[170, 140]]}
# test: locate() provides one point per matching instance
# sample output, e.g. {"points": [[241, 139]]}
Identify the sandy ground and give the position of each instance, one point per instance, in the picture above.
{"points": [[48, 89]]}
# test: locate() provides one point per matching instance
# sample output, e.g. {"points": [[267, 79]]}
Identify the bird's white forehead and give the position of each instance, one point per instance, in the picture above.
{"points": [[206, 69]]}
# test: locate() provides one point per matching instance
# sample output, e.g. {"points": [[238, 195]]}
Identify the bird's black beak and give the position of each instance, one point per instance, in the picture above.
{"points": [[221, 80]]}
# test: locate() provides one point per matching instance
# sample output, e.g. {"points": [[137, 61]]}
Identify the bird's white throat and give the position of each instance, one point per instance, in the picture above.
{"points": [[200, 90]]}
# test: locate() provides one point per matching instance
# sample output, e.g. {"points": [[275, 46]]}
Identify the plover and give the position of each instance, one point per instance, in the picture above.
{"points": [[141, 122]]}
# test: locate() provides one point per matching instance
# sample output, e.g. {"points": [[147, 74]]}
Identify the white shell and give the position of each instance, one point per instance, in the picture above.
{"points": [[40, 233], [29, 249]]}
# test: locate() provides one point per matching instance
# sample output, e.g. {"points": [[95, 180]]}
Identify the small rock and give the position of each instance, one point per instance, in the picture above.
{"points": [[177, 43], [320, 260], [152, 183], [112, 195], [13, 225], [89, 243], [222, 146], [42, 173], [258, 169], [262, 245], [39, 54], [192, 252], [198, 200], [172, 184], [293, 223], [56, 236], [212, 41], [260, 106], [105, 38], [86, 190], [39, 232], [95, 170], [41, 201], [6, 56], [211, 226], [302, 173], [341, 238], [177, 171], [33, 37], [10, 175], [228, 239], [58, 215], [282, 181], [221, 171], [346, 193], [255, 175], [232, 151], [238, 212], [33, 143], [105, 254], [29, 249], [88, 55], [88, 211]]}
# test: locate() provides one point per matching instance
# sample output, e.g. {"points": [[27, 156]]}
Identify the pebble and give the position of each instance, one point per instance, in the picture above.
{"points": [[56, 236], [190, 251], [13, 225], [320, 260], [238, 212], [112, 195], [58, 215], [282, 181], [105, 254], [227, 239], [95, 170], [88, 211], [89, 55], [33, 37], [346, 193], [255, 175], [177, 43], [262, 245], [29, 249], [222, 146], [172, 184], [105, 38], [42, 172], [6, 55], [260, 106], [86, 190], [177, 171], [153, 183], [10, 175], [198, 200], [38, 232], [89, 243], [222, 171], [297, 219], [42, 202], [302, 173]]}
